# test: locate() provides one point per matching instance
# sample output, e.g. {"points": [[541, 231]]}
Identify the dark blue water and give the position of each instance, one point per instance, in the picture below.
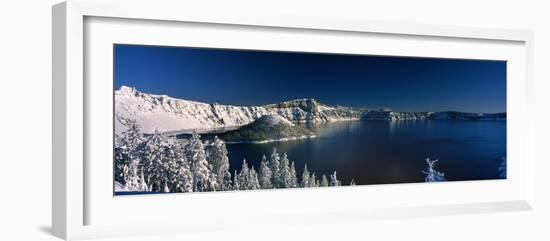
{"points": [[382, 152]]}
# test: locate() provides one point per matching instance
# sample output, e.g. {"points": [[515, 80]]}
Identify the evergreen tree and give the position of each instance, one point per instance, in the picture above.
{"points": [[128, 156], [293, 176], [285, 173], [131, 177], [313, 182], [431, 174], [275, 167], [155, 157], [352, 183], [324, 181], [142, 183], [265, 174], [181, 175], [236, 183], [334, 182], [196, 155], [172, 152], [217, 157], [305, 177], [243, 176], [253, 182]]}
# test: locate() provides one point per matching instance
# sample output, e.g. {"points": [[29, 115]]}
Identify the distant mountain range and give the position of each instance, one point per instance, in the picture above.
{"points": [[167, 114]]}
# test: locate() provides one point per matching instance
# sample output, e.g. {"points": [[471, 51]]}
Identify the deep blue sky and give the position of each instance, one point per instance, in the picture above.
{"points": [[260, 77]]}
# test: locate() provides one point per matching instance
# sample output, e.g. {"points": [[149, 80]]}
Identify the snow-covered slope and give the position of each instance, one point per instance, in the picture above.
{"points": [[170, 114]]}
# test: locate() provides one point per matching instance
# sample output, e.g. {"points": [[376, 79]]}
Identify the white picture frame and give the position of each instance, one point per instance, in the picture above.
{"points": [[81, 210]]}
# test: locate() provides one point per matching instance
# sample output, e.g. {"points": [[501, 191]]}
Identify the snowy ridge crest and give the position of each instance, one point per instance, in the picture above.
{"points": [[164, 113]]}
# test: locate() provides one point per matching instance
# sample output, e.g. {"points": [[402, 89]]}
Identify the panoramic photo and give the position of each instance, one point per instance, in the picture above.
{"points": [[205, 119]]}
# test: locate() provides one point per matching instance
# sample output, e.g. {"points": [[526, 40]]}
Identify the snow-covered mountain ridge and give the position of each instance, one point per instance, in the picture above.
{"points": [[166, 114], [171, 114]]}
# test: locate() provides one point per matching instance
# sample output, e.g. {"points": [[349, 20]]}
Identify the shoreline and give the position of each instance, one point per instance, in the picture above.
{"points": [[235, 127], [273, 140]]}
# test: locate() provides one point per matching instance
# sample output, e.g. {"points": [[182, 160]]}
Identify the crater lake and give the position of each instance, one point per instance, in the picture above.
{"points": [[384, 152]]}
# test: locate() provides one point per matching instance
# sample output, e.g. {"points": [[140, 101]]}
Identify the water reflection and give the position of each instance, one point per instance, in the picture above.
{"points": [[391, 151]]}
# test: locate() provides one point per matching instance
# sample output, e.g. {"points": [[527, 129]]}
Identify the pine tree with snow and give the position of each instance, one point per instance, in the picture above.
{"points": [[352, 183], [324, 181], [130, 173], [128, 154], [181, 177], [170, 165], [252, 179], [431, 174], [196, 155], [265, 174], [236, 181], [243, 176], [275, 167], [218, 159], [155, 157], [143, 185], [313, 182], [334, 182], [293, 176], [285, 173], [305, 177]]}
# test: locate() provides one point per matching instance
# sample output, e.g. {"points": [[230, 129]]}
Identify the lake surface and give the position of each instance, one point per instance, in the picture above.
{"points": [[382, 152]]}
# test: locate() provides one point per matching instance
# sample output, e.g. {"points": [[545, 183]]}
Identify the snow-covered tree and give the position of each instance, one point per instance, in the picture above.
{"points": [[252, 181], [128, 156], [275, 167], [218, 159], [265, 174], [243, 176], [196, 155], [305, 177], [431, 174], [285, 173], [334, 182], [181, 176], [352, 183], [143, 185], [155, 157], [502, 168], [293, 176], [131, 175], [324, 181], [236, 181], [313, 182]]}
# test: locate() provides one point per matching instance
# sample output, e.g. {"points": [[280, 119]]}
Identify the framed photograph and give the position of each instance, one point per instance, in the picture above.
{"points": [[207, 122]]}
